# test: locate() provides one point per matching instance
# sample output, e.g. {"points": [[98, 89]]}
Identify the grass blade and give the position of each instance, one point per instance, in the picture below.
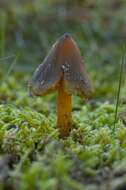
{"points": [[10, 68], [119, 88]]}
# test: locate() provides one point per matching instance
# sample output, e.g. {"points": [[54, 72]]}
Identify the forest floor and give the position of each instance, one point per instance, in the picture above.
{"points": [[32, 156]]}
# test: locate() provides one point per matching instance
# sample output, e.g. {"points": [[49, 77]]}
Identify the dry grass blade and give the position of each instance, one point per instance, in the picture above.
{"points": [[10, 68], [5, 58]]}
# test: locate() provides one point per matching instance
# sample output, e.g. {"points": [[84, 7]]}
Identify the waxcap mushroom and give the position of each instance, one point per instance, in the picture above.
{"points": [[62, 62]]}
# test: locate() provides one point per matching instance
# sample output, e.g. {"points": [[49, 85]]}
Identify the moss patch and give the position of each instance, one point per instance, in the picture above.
{"points": [[32, 156]]}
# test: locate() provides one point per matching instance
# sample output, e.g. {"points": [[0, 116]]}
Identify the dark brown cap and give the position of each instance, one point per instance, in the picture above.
{"points": [[63, 62]]}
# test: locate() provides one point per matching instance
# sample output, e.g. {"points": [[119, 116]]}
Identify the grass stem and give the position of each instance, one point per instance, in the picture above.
{"points": [[119, 88]]}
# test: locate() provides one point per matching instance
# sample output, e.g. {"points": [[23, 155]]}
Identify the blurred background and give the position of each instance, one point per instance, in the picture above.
{"points": [[28, 28], [31, 154]]}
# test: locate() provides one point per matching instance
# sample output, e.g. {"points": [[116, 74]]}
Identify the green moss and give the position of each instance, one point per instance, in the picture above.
{"points": [[32, 156], [47, 161]]}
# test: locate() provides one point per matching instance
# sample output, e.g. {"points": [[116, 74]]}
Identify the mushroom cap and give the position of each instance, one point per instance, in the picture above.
{"points": [[63, 62]]}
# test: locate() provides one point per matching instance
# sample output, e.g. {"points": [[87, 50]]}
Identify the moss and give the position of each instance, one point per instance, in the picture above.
{"points": [[32, 156], [49, 162]]}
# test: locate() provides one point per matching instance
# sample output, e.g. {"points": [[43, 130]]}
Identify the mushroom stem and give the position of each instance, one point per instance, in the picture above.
{"points": [[64, 109]]}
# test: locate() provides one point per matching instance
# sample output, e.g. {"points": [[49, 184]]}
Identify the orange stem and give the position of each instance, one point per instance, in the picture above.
{"points": [[64, 109]]}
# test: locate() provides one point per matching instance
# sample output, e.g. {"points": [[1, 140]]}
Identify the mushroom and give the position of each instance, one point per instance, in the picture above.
{"points": [[62, 70]]}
